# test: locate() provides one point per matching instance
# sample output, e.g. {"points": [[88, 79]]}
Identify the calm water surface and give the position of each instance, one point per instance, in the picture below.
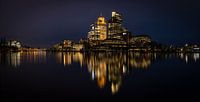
{"points": [[135, 76]]}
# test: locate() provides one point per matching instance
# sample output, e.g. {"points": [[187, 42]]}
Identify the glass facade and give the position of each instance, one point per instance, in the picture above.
{"points": [[115, 29], [98, 29]]}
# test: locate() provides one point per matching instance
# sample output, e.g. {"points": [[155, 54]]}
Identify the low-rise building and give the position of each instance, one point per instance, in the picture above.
{"points": [[77, 47], [14, 43], [141, 39]]}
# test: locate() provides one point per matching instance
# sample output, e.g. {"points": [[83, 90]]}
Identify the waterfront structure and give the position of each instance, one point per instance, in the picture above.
{"points": [[77, 47], [91, 33], [140, 43], [117, 37], [67, 44], [115, 28], [98, 30], [189, 48], [140, 39], [14, 43], [112, 36], [57, 47], [110, 45]]}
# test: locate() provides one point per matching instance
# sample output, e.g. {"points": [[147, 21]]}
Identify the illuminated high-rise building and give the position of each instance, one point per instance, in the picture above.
{"points": [[115, 28], [98, 30], [91, 34]]}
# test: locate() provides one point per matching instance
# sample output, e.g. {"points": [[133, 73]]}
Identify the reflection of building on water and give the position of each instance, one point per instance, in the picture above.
{"points": [[14, 59], [110, 67], [107, 68], [139, 60], [69, 57], [34, 56], [100, 74], [189, 56], [103, 71], [78, 57], [98, 71], [59, 58], [115, 77], [196, 56]]}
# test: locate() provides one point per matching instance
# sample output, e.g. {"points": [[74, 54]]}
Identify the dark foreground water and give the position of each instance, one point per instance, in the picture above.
{"points": [[41, 76]]}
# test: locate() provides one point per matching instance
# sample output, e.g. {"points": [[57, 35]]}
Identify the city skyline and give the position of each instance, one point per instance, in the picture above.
{"points": [[44, 23]]}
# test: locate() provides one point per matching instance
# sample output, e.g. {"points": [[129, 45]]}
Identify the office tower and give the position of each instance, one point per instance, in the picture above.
{"points": [[98, 29], [115, 28]]}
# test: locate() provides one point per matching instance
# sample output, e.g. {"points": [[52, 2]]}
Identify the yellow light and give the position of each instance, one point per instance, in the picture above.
{"points": [[101, 82]]}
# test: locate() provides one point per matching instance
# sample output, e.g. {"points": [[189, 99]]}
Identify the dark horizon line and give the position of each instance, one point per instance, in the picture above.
{"points": [[177, 44]]}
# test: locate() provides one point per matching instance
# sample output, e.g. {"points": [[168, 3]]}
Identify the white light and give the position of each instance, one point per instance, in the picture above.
{"points": [[113, 14], [124, 69], [196, 56], [93, 75], [186, 58]]}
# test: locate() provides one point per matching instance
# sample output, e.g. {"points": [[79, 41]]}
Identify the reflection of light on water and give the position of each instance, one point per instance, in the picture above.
{"points": [[155, 56], [170, 56], [140, 63], [166, 56], [39, 56], [93, 75], [189, 56], [35, 56], [67, 58], [115, 87], [100, 74], [78, 57], [101, 82], [182, 56], [113, 66], [59, 57], [110, 68], [196, 56], [124, 69], [186, 58], [105, 69], [15, 59]]}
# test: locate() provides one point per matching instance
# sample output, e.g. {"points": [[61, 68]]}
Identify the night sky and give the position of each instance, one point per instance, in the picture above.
{"points": [[41, 23]]}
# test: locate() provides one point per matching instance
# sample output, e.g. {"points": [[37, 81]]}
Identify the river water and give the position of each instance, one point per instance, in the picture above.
{"points": [[44, 76]]}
